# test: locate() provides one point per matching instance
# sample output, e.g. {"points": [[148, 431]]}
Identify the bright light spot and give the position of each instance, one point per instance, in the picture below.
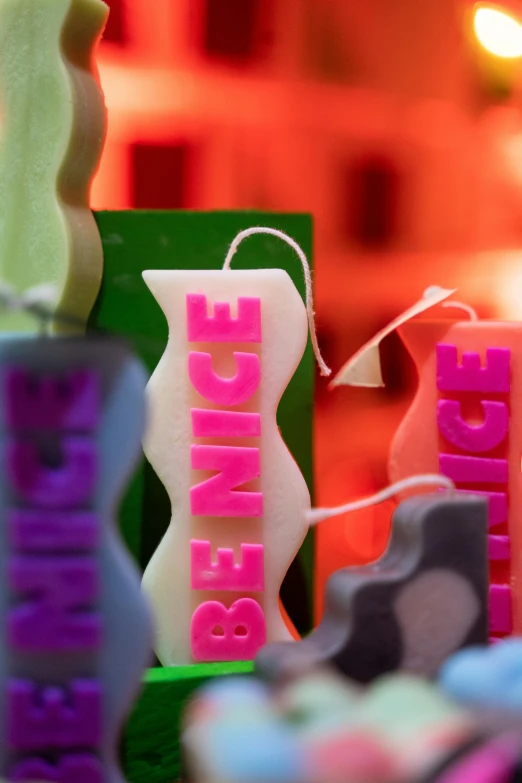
{"points": [[498, 32]]}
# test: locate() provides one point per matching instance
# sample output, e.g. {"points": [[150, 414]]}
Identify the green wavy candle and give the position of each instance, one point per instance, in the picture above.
{"points": [[51, 138]]}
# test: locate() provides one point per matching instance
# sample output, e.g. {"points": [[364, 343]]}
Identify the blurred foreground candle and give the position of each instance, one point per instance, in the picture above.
{"points": [[424, 599], [466, 422], [53, 129], [238, 498], [76, 633]]}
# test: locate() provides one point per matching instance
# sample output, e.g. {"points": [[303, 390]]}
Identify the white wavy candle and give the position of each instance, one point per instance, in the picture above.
{"points": [[279, 526]]}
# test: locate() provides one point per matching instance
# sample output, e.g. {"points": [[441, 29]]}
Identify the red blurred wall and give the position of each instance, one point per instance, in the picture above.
{"points": [[385, 121]]}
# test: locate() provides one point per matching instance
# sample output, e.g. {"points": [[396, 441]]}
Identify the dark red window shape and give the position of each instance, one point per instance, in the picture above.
{"points": [[116, 30], [374, 191], [230, 29], [161, 175]]}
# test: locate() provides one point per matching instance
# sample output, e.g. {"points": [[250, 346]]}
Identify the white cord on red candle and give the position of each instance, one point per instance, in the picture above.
{"points": [[323, 367], [454, 304], [316, 515]]}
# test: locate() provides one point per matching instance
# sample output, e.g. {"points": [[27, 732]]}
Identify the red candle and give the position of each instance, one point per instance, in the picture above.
{"points": [[466, 422]]}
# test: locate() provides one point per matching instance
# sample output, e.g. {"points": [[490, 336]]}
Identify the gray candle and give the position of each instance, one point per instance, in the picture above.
{"points": [[424, 599]]}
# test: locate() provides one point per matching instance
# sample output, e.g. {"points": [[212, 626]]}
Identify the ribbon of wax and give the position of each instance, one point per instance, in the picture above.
{"points": [[364, 368], [53, 130]]}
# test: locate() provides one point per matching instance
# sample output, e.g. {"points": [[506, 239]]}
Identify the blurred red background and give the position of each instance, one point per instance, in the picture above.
{"points": [[387, 121]]}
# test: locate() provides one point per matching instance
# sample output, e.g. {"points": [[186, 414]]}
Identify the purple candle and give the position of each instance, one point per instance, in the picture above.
{"points": [[76, 632]]}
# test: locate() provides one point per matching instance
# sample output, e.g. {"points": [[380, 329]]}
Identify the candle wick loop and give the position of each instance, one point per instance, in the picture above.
{"points": [[323, 367]]}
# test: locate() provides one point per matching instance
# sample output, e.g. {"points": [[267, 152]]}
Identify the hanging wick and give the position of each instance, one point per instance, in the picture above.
{"points": [[434, 289], [323, 367], [316, 515]]}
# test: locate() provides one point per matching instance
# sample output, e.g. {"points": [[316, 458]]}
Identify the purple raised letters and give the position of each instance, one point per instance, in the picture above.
{"points": [[57, 590], [34, 530], [70, 403], [53, 573], [72, 768], [50, 717], [62, 486]]}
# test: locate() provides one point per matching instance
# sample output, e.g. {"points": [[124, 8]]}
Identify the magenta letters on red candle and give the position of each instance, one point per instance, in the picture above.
{"points": [[470, 375], [474, 378]]}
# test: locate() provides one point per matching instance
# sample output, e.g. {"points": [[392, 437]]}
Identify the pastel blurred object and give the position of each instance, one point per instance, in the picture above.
{"points": [[397, 730], [488, 676], [423, 600], [53, 131]]}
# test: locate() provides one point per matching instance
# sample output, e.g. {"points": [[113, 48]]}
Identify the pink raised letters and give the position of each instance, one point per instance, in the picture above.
{"points": [[225, 574], [500, 617], [221, 327], [221, 634], [56, 590], [498, 509], [207, 423], [215, 496], [474, 470], [51, 717], [470, 375], [72, 768], [467, 437], [218, 633], [225, 391], [470, 378], [499, 547]]}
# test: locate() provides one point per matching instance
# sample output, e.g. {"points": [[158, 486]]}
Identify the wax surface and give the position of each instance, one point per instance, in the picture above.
{"points": [[241, 488], [53, 129], [76, 634], [466, 422], [424, 599]]}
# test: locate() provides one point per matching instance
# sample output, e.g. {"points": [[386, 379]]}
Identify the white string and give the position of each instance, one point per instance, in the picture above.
{"points": [[316, 515], [457, 305], [463, 306], [323, 367]]}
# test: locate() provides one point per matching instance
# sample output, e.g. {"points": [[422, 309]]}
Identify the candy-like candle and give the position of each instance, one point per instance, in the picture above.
{"points": [[238, 498]]}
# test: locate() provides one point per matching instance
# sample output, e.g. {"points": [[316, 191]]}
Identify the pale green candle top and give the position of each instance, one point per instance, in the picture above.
{"points": [[51, 139]]}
